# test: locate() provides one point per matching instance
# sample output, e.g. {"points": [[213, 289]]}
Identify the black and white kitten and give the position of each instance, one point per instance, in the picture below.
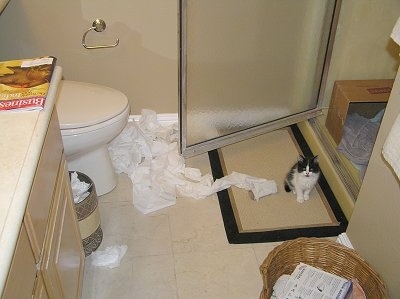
{"points": [[302, 177]]}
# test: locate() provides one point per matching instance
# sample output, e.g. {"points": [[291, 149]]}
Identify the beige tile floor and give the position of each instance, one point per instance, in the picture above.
{"points": [[179, 252]]}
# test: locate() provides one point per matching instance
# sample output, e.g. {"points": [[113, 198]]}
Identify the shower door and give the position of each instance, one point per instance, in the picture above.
{"points": [[250, 66]]}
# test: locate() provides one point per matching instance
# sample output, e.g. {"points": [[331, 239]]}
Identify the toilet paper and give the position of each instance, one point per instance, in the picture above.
{"points": [[109, 257], [395, 35], [148, 152], [80, 189]]}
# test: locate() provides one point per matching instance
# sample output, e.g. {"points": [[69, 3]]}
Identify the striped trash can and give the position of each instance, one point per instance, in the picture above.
{"points": [[87, 212]]}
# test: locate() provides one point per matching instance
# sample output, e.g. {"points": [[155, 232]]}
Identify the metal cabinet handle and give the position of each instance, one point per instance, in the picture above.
{"points": [[98, 26]]}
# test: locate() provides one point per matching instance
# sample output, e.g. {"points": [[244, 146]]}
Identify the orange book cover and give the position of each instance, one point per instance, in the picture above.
{"points": [[24, 83]]}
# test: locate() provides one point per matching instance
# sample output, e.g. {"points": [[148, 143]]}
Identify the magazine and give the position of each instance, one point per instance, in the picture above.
{"points": [[24, 83]]}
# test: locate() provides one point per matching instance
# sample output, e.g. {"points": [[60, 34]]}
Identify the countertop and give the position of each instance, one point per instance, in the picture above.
{"points": [[22, 135]]}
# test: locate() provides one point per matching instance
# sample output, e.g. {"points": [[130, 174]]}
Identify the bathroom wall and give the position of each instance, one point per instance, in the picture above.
{"points": [[145, 63], [374, 225], [363, 47]]}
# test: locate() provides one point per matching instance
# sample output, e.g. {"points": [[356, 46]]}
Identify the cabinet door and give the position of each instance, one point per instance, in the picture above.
{"points": [[38, 208], [62, 267], [21, 278], [40, 291]]}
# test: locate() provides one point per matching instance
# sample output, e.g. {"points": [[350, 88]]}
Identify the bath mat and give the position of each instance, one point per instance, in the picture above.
{"points": [[276, 217]]}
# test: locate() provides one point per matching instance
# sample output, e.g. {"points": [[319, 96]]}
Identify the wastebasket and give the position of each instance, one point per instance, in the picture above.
{"points": [[87, 212], [324, 254]]}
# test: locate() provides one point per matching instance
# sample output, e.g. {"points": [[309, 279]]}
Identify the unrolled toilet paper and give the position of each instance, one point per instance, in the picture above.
{"points": [[148, 152], [110, 257]]}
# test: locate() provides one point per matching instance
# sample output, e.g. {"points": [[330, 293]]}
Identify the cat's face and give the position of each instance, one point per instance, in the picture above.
{"points": [[308, 165]]}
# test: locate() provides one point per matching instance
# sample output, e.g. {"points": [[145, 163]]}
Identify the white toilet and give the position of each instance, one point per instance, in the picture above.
{"points": [[90, 117]]}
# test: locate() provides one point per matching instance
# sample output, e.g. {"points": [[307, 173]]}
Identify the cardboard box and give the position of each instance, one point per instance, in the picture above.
{"points": [[365, 97]]}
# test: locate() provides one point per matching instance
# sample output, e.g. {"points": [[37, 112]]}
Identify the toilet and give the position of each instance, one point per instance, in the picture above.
{"points": [[90, 116]]}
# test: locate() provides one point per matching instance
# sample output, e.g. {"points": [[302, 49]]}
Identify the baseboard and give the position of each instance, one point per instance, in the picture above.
{"points": [[163, 118]]}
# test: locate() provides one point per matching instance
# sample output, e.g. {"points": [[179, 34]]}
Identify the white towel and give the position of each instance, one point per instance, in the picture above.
{"points": [[396, 32], [391, 148]]}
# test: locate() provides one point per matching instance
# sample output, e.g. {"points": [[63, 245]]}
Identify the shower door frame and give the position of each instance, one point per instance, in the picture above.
{"points": [[224, 140]]}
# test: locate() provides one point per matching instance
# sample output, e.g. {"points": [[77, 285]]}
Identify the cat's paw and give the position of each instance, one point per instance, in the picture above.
{"points": [[306, 197], [300, 199]]}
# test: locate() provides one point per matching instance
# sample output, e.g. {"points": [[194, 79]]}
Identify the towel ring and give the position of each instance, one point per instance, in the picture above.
{"points": [[98, 26]]}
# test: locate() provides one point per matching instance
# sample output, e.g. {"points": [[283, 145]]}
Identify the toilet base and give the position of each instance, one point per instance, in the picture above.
{"points": [[98, 166]]}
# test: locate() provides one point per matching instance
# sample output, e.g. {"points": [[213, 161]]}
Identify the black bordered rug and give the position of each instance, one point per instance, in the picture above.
{"points": [[276, 217]]}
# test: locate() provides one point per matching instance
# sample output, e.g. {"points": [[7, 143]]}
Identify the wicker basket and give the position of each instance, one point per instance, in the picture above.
{"points": [[324, 254]]}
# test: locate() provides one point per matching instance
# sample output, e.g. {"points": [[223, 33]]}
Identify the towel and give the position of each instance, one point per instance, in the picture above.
{"points": [[391, 147], [359, 135], [396, 32]]}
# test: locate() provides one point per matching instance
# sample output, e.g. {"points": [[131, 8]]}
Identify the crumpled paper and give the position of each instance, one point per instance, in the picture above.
{"points": [[148, 152], [80, 189], [109, 257], [205, 186]]}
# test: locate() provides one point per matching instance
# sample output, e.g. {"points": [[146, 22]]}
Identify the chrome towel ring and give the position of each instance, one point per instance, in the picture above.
{"points": [[98, 26]]}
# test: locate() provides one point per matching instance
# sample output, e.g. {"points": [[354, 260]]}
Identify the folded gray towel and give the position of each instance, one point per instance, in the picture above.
{"points": [[359, 135]]}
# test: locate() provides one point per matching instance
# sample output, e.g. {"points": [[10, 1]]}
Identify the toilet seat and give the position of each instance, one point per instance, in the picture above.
{"points": [[85, 107], [76, 131]]}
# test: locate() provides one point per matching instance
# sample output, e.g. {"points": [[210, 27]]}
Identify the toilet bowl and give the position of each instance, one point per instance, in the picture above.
{"points": [[90, 116]]}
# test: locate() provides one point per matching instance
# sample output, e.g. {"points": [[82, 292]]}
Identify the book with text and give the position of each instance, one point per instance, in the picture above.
{"points": [[24, 83]]}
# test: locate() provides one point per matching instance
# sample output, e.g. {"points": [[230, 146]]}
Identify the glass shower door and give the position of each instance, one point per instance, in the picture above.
{"points": [[250, 66]]}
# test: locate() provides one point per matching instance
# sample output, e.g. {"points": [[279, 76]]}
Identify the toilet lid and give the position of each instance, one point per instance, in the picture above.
{"points": [[82, 104]]}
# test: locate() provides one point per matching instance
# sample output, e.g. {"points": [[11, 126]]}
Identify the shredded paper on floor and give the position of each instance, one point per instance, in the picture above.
{"points": [[147, 152]]}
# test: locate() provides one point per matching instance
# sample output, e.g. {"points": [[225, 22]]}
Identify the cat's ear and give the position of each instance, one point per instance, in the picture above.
{"points": [[301, 158], [315, 159]]}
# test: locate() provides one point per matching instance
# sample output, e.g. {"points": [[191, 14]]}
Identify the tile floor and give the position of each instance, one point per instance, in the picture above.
{"points": [[179, 252]]}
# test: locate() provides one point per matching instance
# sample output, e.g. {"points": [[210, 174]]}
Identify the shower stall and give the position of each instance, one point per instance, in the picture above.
{"points": [[249, 67]]}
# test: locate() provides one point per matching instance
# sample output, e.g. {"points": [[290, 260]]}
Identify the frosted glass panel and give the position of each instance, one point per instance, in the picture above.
{"points": [[249, 62]]}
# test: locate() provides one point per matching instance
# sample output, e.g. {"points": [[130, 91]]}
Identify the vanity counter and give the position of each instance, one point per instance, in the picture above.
{"points": [[22, 135]]}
